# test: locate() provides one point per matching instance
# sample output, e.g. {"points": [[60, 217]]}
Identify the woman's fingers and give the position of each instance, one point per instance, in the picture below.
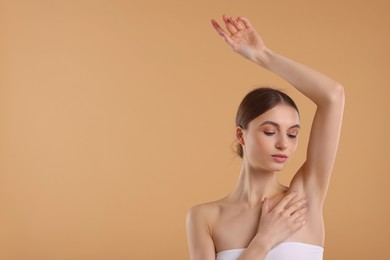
{"points": [[285, 201], [296, 214], [221, 32], [233, 25], [291, 209], [218, 28], [299, 215], [237, 23], [245, 22], [241, 37], [284, 219], [230, 25], [299, 223]]}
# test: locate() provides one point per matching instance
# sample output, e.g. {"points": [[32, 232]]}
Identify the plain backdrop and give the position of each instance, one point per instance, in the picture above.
{"points": [[117, 116]]}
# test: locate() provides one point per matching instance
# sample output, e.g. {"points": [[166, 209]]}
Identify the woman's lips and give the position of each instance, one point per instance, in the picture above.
{"points": [[280, 157]]}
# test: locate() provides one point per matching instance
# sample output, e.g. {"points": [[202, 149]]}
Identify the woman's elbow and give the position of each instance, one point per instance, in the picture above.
{"points": [[337, 96]]}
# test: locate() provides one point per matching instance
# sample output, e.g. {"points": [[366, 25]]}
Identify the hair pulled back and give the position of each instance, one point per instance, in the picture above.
{"points": [[257, 102]]}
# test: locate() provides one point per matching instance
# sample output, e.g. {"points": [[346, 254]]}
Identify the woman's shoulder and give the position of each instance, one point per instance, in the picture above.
{"points": [[205, 213], [207, 208]]}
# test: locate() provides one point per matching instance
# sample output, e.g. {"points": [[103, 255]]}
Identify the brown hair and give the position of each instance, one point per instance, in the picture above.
{"points": [[256, 103]]}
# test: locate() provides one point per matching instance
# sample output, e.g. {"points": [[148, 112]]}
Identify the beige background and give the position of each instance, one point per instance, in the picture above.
{"points": [[118, 116]]}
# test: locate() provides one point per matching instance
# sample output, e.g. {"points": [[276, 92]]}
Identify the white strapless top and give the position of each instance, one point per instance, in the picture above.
{"points": [[283, 251]]}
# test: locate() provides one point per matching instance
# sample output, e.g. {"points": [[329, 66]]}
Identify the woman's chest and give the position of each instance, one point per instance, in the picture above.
{"points": [[235, 228]]}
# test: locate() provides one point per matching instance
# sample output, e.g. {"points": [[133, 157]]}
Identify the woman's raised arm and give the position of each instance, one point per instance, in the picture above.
{"points": [[325, 92]]}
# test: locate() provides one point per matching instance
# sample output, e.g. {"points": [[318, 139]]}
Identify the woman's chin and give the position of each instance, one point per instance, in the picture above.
{"points": [[278, 167], [271, 168]]}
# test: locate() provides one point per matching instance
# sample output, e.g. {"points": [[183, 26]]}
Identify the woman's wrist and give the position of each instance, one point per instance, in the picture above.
{"points": [[263, 57], [262, 242], [257, 249]]}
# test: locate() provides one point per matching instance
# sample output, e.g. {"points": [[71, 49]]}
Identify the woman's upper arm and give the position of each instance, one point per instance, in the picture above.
{"points": [[200, 243], [323, 142]]}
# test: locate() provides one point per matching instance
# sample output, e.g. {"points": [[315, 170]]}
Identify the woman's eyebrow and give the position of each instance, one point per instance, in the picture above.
{"points": [[278, 126], [295, 126]]}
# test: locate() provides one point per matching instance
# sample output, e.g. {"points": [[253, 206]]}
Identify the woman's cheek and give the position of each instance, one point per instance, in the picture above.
{"points": [[294, 145]]}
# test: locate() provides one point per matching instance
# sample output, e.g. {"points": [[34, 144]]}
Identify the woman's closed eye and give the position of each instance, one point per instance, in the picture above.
{"points": [[292, 135], [269, 133]]}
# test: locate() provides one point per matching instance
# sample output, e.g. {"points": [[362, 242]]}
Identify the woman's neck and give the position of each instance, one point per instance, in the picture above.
{"points": [[254, 185]]}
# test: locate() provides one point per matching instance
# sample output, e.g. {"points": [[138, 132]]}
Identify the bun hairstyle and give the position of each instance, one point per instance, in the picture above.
{"points": [[257, 102]]}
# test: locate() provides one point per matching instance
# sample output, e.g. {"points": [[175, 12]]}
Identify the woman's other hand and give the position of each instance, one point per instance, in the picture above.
{"points": [[242, 37], [280, 222]]}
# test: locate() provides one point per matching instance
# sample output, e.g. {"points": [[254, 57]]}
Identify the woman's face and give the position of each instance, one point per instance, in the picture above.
{"points": [[271, 138]]}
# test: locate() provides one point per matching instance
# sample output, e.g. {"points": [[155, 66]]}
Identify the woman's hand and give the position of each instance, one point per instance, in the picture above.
{"points": [[242, 37], [277, 224]]}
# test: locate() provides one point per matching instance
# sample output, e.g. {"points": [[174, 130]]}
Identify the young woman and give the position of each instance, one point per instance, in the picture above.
{"points": [[262, 219]]}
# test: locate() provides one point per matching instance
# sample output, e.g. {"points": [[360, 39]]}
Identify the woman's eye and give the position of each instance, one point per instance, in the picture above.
{"points": [[292, 135], [269, 133]]}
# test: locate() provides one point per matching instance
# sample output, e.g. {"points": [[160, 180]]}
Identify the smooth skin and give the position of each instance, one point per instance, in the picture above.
{"points": [[260, 213]]}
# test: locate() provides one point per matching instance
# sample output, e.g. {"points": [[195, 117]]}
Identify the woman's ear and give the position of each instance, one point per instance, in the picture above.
{"points": [[240, 135]]}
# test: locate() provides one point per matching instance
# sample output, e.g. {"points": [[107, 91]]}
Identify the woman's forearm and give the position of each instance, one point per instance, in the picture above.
{"points": [[244, 39], [318, 87]]}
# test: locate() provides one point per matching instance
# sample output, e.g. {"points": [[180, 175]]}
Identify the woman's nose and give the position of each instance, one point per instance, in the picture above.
{"points": [[281, 144]]}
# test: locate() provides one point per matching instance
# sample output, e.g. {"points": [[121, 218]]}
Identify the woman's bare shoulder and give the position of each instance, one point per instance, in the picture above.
{"points": [[206, 213], [207, 208]]}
